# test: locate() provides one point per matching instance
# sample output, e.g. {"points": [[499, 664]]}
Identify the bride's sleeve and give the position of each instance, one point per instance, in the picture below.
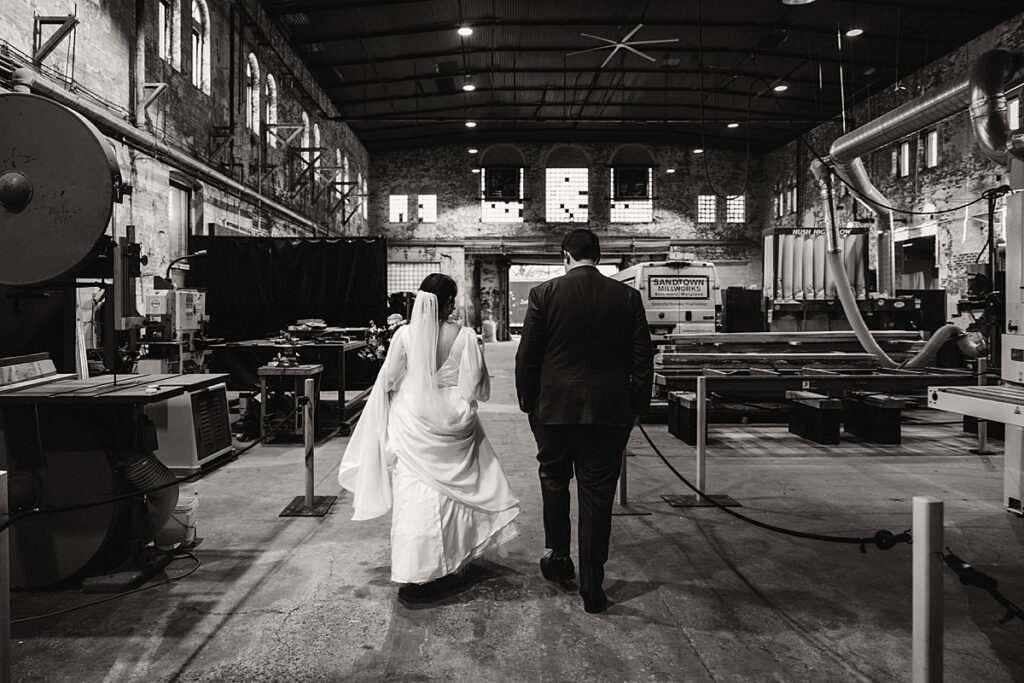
{"points": [[394, 366], [474, 380]]}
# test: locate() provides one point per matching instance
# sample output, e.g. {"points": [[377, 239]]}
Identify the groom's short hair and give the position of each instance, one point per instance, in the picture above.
{"points": [[582, 245]]}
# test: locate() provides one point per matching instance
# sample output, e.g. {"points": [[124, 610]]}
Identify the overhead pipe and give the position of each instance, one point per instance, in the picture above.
{"points": [[28, 81], [983, 92]]}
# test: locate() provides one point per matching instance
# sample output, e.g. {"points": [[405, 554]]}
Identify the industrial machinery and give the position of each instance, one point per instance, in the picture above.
{"points": [[679, 295], [983, 93], [68, 440], [172, 336]]}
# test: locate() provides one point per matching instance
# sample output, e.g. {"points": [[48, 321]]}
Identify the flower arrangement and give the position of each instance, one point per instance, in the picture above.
{"points": [[378, 338]]}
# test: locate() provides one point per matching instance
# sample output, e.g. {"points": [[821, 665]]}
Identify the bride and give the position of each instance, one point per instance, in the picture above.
{"points": [[420, 447]]}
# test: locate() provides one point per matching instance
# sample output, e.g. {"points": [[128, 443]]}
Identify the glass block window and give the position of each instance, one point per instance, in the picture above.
{"points": [[406, 276], [1013, 113], [497, 210], [707, 208], [567, 195], [632, 195], [736, 209], [931, 149], [398, 208], [426, 209]]}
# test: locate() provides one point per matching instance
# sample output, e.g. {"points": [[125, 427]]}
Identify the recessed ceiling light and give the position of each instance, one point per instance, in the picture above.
{"points": [[698, 151], [465, 31], [780, 87], [473, 150], [469, 87], [733, 125], [470, 124], [854, 32], [797, 2], [670, 170]]}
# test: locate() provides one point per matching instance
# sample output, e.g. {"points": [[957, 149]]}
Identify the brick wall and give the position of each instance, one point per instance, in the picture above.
{"points": [[98, 59], [961, 175]]}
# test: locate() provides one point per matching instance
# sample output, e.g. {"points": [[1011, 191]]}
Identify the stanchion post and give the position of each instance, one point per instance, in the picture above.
{"points": [[309, 434], [702, 429], [982, 449], [927, 590], [5, 588]]}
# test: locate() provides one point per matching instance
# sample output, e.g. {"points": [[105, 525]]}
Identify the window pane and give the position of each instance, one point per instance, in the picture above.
{"points": [[736, 209], [427, 209], [1013, 113], [567, 200], [904, 159], [398, 208], [406, 277], [707, 207], [931, 149], [633, 201], [161, 24], [498, 211]]}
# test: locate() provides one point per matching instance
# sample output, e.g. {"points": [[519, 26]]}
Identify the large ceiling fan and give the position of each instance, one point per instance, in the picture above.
{"points": [[624, 44]]}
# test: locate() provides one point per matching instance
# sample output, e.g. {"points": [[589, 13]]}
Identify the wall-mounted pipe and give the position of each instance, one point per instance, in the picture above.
{"points": [[989, 77], [27, 80]]}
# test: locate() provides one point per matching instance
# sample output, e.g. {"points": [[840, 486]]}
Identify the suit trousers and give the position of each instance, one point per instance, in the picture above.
{"points": [[594, 453]]}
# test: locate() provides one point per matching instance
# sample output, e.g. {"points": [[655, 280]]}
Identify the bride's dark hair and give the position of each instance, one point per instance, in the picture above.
{"points": [[441, 286]]}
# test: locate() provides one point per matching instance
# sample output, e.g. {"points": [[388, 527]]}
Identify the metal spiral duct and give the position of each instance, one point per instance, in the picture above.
{"points": [[145, 473]]}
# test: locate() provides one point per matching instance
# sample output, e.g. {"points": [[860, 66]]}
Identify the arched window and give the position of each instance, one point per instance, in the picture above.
{"points": [[168, 32], [337, 175], [201, 45], [345, 179], [502, 177], [304, 140], [632, 184], [252, 94], [317, 152], [567, 181], [271, 110]]}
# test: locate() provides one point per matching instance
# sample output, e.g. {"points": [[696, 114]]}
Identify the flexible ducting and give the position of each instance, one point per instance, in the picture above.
{"points": [[27, 80], [983, 92], [145, 473]]}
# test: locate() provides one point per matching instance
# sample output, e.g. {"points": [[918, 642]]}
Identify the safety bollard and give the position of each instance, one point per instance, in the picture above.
{"points": [[927, 590], [702, 430], [5, 587], [309, 505], [982, 448]]}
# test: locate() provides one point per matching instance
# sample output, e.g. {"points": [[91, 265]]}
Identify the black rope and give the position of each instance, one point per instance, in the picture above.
{"points": [[883, 539], [35, 512]]}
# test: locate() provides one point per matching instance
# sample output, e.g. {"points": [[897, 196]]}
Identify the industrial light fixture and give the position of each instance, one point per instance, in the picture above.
{"points": [[698, 151], [465, 31], [476, 170], [468, 87], [470, 124], [797, 2], [670, 170], [854, 32], [733, 125], [473, 150], [780, 87]]}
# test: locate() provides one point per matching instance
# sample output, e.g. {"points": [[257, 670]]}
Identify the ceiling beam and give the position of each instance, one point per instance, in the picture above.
{"points": [[480, 90], [315, 35], [661, 71], [683, 50]]}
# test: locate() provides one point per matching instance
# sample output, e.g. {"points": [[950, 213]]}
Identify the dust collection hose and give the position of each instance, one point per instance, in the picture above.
{"points": [[970, 346]]}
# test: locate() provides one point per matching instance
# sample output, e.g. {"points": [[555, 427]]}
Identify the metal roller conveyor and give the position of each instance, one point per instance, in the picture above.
{"points": [[999, 404]]}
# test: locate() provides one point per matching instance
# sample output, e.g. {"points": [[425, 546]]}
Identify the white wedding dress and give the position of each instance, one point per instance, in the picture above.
{"points": [[420, 449]]}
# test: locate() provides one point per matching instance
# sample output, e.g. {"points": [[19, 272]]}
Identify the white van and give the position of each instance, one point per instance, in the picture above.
{"points": [[679, 296]]}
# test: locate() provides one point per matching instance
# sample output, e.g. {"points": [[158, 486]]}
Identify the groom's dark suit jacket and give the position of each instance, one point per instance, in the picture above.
{"points": [[586, 355]]}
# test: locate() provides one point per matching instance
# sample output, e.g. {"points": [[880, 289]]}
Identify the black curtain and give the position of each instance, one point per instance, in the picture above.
{"points": [[257, 286]]}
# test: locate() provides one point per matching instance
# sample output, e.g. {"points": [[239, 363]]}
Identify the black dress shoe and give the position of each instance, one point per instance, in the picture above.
{"points": [[557, 568], [596, 602]]}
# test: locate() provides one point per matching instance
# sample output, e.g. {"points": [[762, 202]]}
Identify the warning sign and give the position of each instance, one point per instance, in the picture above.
{"points": [[678, 286]]}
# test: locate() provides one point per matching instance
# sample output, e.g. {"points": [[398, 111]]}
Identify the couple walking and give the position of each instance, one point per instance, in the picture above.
{"points": [[583, 374]]}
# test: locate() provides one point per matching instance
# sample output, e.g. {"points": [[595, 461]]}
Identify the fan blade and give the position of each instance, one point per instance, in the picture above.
{"points": [[637, 52], [590, 35], [612, 54], [593, 49], [653, 42], [630, 34]]}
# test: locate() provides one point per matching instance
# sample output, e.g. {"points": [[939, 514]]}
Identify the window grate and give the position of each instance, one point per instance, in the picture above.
{"points": [[707, 208], [406, 276]]}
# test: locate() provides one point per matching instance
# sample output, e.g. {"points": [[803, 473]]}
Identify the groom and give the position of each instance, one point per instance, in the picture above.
{"points": [[583, 373]]}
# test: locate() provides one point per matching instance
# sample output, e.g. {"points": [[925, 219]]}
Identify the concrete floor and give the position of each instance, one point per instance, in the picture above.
{"points": [[696, 595]]}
